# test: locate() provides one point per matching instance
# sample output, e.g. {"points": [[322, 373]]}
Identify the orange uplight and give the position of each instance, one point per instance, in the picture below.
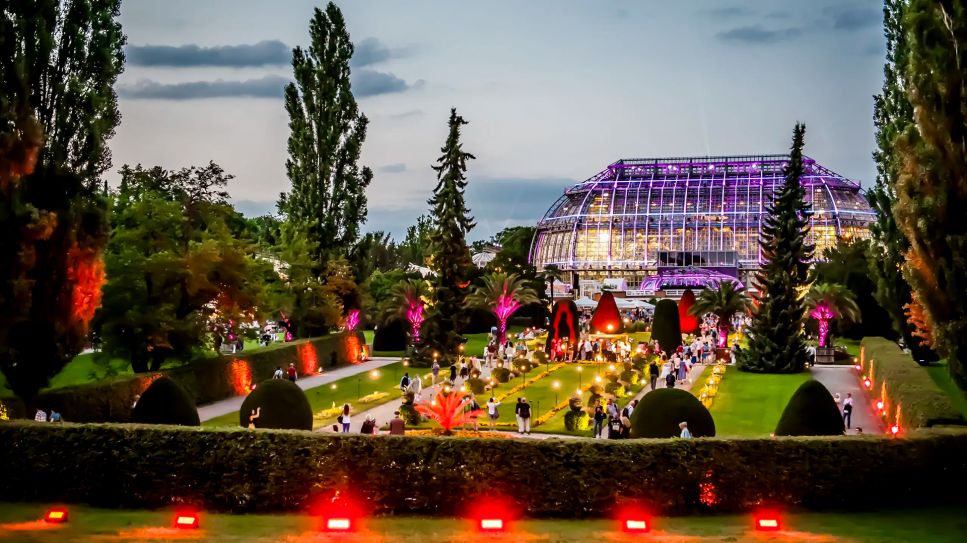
{"points": [[186, 521], [879, 405], [768, 523], [867, 383], [895, 429], [339, 524], [56, 516], [240, 376], [858, 367]]}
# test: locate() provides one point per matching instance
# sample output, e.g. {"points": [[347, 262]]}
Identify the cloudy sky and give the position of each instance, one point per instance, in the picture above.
{"points": [[554, 90]]}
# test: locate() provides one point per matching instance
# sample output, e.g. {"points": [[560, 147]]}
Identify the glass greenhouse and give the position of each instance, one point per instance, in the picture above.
{"points": [[642, 217]]}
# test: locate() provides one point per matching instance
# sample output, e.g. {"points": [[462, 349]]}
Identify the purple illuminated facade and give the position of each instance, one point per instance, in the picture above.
{"points": [[641, 217]]}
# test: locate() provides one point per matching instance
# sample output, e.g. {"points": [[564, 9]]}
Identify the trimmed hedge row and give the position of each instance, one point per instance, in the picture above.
{"points": [[912, 399], [206, 380], [267, 470]]}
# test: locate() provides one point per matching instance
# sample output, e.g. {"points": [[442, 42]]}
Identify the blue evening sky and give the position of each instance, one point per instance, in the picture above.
{"points": [[554, 90]]}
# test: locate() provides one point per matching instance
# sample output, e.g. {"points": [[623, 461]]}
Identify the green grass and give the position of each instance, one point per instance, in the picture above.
{"points": [[343, 391], [555, 425], [749, 404], [941, 375], [18, 522]]}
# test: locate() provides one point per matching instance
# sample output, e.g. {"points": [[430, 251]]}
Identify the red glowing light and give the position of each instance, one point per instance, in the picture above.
{"points": [[867, 383], [636, 525], [240, 376], [895, 429], [858, 367], [606, 316], [447, 410], [308, 361], [186, 521], [337, 524], [85, 269], [56, 516], [768, 523], [879, 405], [492, 524]]}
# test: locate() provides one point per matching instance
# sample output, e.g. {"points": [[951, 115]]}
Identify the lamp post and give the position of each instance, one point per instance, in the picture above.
{"points": [[555, 385], [579, 377]]}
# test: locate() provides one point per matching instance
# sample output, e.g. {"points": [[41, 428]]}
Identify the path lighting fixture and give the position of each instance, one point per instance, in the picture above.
{"points": [[57, 515], [767, 522], [186, 521]]}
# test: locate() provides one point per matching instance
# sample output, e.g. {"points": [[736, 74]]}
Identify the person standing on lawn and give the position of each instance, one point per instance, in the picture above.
{"points": [[520, 421], [492, 413], [405, 381], [525, 417], [344, 419]]}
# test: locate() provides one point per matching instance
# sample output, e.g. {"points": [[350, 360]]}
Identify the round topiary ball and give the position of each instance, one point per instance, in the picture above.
{"points": [[576, 420], [811, 411], [165, 402], [280, 404], [661, 411]]}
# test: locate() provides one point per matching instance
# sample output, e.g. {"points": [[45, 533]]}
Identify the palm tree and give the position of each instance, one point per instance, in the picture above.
{"points": [[503, 294], [549, 275], [723, 302], [828, 301], [408, 301]]}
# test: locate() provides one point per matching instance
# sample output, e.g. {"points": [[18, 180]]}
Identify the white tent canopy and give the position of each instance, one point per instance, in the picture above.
{"points": [[585, 303]]}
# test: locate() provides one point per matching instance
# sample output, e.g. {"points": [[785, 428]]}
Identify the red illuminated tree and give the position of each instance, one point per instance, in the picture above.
{"points": [[688, 321], [447, 410], [606, 318]]}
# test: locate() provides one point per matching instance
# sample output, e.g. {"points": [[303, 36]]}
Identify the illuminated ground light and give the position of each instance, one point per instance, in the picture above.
{"points": [[767, 522], [492, 515], [858, 367], [338, 524], [867, 383], [895, 429], [187, 521], [56, 516], [487, 524]]}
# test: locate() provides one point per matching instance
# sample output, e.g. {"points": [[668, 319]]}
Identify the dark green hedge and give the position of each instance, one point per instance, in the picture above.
{"points": [[267, 470], [165, 402], [908, 386], [206, 380], [811, 412]]}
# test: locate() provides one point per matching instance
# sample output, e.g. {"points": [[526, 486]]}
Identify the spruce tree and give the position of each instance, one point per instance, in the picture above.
{"points": [[449, 255], [892, 114], [328, 196], [776, 342], [932, 185]]}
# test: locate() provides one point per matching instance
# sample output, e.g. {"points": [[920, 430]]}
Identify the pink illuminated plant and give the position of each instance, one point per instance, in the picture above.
{"points": [[352, 319], [503, 294], [724, 302], [409, 302], [829, 301]]}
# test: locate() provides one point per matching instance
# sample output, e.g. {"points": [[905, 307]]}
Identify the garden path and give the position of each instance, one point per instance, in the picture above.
{"points": [[843, 380], [232, 405]]}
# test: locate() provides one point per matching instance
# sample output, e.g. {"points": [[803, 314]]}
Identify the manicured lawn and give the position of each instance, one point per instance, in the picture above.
{"points": [[18, 522], [555, 425], [346, 390], [940, 375], [749, 404]]}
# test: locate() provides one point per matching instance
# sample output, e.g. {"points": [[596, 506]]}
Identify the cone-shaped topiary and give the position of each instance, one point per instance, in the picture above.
{"points": [[280, 403], [811, 412], [687, 322], [390, 336], [564, 323], [666, 327], [165, 402], [606, 318], [660, 412]]}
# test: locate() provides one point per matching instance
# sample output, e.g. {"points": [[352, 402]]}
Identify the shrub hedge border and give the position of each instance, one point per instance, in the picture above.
{"points": [[273, 470], [911, 398], [206, 380]]}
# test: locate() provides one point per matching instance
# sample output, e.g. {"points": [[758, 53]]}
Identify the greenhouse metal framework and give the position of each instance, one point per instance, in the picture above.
{"points": [[644, 217]]}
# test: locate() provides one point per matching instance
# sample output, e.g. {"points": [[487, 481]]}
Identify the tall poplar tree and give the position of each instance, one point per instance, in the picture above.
{"points": [[776, 342], [892, 114], [328, 196], [932, 185], [449, 255]]}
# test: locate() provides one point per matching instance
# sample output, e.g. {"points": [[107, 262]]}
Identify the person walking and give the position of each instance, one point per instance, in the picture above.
{"points": [[612, 409], [629, 409], [344, 419], [670, 379], [397, 426], [653, 374], [405, 382], [492, 413], [453, 374], [520, 421], [599, 418], [525, 416], [292, 373], [683, 426], [473, 411], [848, 410], [435, 370], [416, 387], [279, 374]]}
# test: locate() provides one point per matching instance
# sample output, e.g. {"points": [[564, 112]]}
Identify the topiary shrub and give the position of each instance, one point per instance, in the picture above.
{"points": [[576, 421], [477, 386], [409, 414], [811, 412], [502, 375], [666, 328], [659, 413], [281, 403], [540, 357], [688, 323], [390, 336], [606, 318], [575, 403], [165, 402], [630, 376], [595, 400], [616, 389]]}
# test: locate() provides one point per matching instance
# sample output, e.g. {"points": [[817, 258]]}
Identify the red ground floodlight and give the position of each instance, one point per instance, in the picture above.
{"points": [[186, 521], [339, 524], [895, 429], [634, 519], [867, 383], [491, 515], [56, 515], [488, 524], [858, 367], [338, 512], [767, 522], [636, 526]]}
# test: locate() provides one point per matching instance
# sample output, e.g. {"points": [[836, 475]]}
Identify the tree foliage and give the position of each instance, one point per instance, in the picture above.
{"points": [[327, 130], [932, 184], [776, 342], [666, 328], [826, 302], [450, 256], [724, 302], [503, 294]]}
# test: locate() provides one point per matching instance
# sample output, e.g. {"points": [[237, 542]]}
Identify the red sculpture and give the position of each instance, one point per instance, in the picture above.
{"points": [[606, 318], [688, 322]]}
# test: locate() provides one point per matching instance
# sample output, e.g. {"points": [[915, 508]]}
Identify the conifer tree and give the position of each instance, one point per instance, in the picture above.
{"points": [[449, 254], [776, 342], [328, 196], [892, 114], [932, 185]]}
